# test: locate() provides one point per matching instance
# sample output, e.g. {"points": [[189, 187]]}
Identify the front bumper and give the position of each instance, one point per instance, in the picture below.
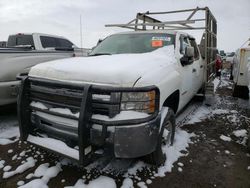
{"points": [[137, 140], [130, 138], [8, 92]]}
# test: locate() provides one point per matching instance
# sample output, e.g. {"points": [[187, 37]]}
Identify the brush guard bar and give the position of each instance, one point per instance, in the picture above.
{"points": [[81, 99]]}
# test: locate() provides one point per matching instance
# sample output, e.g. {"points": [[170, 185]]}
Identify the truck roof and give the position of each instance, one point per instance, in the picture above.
{"points": [[43, 34]]}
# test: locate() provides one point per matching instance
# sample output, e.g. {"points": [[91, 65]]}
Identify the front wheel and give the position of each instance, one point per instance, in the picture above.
{"points": [[166, 137]]}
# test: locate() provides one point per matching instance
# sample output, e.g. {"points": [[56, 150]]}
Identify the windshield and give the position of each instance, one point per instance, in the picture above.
{"points": [[133, 43]]}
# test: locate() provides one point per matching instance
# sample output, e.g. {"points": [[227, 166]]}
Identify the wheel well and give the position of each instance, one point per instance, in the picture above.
{"points": [[173, 101]]}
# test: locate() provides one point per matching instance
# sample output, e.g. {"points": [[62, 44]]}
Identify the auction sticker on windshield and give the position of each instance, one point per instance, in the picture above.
{"points": [[156, 43]]}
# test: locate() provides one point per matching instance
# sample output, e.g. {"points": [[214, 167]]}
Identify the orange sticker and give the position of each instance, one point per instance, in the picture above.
{"points": [[156, 43]]}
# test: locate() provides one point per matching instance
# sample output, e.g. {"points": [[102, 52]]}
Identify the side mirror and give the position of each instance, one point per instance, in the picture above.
{"points": [[189, 52], [188, 57]]}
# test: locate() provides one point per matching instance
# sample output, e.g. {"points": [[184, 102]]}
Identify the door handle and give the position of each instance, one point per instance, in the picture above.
{"points": [[194, 70]]}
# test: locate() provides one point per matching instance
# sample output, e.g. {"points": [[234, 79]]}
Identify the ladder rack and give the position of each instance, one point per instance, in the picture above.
{"points": [[208, 45]]}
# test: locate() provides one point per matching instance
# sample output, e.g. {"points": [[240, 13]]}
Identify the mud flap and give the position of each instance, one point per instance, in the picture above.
{"points": [[209, 94]]}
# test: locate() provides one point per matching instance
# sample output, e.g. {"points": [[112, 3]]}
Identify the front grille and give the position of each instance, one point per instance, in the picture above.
{"points": [[69, 96]]}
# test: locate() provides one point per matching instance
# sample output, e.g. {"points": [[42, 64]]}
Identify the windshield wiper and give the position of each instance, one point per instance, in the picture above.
{"points": [[97, 54]]}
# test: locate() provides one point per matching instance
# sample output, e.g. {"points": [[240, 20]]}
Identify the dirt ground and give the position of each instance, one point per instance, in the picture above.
{"points": [[209, 161]]}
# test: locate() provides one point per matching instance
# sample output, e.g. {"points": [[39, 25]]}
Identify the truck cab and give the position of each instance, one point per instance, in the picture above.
{"points": [[38, 41]]}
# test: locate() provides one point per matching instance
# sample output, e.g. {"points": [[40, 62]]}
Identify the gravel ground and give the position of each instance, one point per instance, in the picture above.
{"points": [[210, 161]]}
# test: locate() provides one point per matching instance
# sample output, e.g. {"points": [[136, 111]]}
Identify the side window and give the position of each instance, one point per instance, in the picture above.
{"points": [[16, 40], [196, 51], [64, 43], [183, 44], [48, 42]]}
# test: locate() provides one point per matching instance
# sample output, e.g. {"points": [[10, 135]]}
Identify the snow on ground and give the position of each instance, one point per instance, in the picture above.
{"points": [[225, 138], [7, 133], [101, 181], [240, 133], [216, 83], [54, 144], [30, 162], [46, 173], [200, 114], [173, 153], [43, 173]]}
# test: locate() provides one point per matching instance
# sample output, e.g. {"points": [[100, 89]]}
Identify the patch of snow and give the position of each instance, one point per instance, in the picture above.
{"points": [[55, 145], [148, 181], [225, 138], [200, 114], [216, 83], [181, 143], [19, 183], [141, 184], [64, 111], [180, 169], [10, 151], [123, 115], [137, 167], [220, 111], [22, 154], [7, 168], [30, 162], [232, 118], [14, 157], [248, 168], [227, 152], [38, 105], [37, 183], [7, 133], [101, 181], [180, 164], [29, 176], [48, 173], [2, 164], [41, 170], [240, 133]]}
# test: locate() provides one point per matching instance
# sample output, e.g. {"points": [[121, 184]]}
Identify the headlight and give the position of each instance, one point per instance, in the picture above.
{"points": [[139, 101]]}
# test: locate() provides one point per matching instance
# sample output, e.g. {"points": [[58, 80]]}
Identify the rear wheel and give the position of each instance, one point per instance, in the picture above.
{"points": [[166, 137]]}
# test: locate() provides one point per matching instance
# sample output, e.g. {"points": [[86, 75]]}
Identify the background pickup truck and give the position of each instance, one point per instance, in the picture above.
{"points": [[26, 50], [125, 93]]}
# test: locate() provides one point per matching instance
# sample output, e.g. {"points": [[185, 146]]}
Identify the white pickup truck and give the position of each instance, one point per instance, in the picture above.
{"points": [[126, 93], [26, 50]]}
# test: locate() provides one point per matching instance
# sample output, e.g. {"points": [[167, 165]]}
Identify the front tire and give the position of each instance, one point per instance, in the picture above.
{"points": [[166, 137]]}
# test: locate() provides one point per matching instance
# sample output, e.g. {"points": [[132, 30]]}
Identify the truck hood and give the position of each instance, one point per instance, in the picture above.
{"points": [[117, 70]]}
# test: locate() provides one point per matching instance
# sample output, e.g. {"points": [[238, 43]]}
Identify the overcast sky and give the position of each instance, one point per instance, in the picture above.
{"points": [[62, 17]]}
